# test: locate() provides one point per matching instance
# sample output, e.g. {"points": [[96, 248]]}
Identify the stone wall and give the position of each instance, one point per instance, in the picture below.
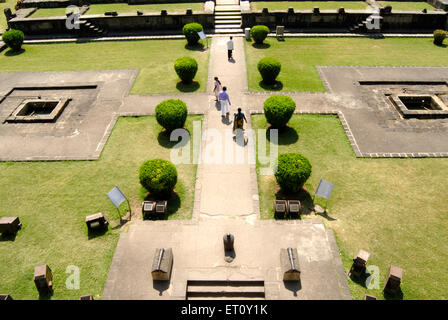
{"points": [[129, 22], [397, 21], [65, 3]]}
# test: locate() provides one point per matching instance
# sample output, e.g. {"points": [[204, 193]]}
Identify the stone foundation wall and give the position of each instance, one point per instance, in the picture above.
{"points": [[65, 3], [397, 21], [130, 22]]}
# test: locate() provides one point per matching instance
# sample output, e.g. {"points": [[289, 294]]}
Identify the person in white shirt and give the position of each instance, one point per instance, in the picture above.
{"points": [[229, 49], [217, 89]]}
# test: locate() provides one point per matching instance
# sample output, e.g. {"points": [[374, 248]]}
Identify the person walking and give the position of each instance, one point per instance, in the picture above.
{"points": [[225, 101], [229, 49], [217, 89]]}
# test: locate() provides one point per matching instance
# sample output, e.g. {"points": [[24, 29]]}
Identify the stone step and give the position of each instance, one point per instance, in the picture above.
{"points": [[225, 289], [229, 31], [228, 26], [228, 22], [228, 8], [226, 17], [228, 12]]}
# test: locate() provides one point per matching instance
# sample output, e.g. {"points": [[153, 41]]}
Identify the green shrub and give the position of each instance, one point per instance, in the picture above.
{"points": [[269, 69], [259, 33], [171, 114], [159, 177], [278, 109], [292, 172], [13, 39], [190, 31], [439, 36], [186, 69]]}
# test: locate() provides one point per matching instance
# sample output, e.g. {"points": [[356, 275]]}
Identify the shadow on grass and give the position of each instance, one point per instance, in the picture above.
{"points": [[263, 45], [12, 53], [326, 216], [361, 280], [396, 296], [8, 237], [164, 140], [98, 232], [174, 204], [277, 86], [303, 196], [191, 87], [441, 45], [196, 47], [46, 295], [286, 135], [293, 286]]}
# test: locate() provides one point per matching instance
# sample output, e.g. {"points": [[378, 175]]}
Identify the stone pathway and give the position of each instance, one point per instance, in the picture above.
{"points": [[226, 183]]}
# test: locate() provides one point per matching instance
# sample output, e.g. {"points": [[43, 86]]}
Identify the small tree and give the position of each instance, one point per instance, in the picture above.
{"points": [[439, 36], [259, 33], [278, 109], [171, 114], [292, 172], [190, 31], [186, 69], [159, 177], [269, 69], [13, 39]]}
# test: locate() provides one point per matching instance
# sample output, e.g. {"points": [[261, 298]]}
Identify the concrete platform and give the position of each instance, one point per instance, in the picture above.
{"points": [[198, 255]]}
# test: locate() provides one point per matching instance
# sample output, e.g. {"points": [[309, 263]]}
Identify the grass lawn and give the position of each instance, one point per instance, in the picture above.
{"points": [[407, 6], [7, 4], [154, 58], [124, 8], [300, 56], [308, 5], [393, 208], [53, 198]]}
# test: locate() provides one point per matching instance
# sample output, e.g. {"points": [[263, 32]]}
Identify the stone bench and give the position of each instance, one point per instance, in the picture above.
{"points": [[9, 225], [97, 218], [162, 264], [43, 279]]}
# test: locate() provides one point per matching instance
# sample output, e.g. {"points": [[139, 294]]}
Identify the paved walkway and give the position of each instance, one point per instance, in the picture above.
{"points": [[225, 183]]}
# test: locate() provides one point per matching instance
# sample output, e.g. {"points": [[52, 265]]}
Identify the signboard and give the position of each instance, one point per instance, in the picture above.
{"points": [[201, 35], [116, 196], [324, 189]]}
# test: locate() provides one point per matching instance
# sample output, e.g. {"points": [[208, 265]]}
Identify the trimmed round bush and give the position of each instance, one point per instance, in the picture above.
{"points": [[269, 69], [278, 109], [439, 36], [186, 69], [13, 39], [158, 176], [171, 114], [259, 33], [292, 172], [190, 31]]}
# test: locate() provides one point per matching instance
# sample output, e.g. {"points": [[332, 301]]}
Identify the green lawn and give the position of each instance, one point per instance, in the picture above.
{"points": [[393, 208], [7, 4], [154, 58], [308, 5], [124, 8], [407, 6], [53, 198], [300, 56]]}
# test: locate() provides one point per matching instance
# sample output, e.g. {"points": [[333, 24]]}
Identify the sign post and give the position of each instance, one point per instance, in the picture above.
{"points": [[202, 35], [324, 190], [117, 197]]}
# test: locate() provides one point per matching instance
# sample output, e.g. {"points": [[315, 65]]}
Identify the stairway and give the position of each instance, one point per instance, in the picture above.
{"points": [[225, 289], [363, 26], [90, 29], [227, 18]]}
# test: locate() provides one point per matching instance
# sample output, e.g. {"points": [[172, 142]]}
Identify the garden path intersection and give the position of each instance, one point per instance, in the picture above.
{"points": [[226, 193]]}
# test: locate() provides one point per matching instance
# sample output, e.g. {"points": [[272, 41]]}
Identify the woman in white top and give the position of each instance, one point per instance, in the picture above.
{"points": [[217, 89]]}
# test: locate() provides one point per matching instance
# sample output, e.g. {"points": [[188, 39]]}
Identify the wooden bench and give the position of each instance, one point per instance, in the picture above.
{"points": [[43, 279]]}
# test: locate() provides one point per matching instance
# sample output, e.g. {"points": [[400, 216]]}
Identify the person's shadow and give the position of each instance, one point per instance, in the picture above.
{"points": [[231, 60], [226, 120]]}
